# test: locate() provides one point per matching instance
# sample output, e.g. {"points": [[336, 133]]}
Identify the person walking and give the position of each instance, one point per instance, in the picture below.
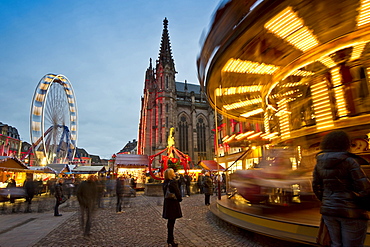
{"points": [[207, 188], [87, 194], [58, 196], [120, 192], [171, 207], [337, 180], [187, 184], [30, 188]]}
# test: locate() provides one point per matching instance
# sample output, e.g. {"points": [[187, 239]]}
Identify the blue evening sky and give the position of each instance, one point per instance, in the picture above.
{"points": [[103, 48]]}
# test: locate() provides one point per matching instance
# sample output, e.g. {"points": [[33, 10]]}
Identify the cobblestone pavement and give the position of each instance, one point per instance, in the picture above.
{"points": [[141, 224]]}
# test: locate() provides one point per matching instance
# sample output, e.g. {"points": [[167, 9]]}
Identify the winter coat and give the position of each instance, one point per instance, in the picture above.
{"points": [[58, 191], [171, 207], [336, 178], [208, 185], [87, 193]]}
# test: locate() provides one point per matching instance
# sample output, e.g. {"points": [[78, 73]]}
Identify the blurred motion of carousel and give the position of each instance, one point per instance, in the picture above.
{"points": [[282, 74]]}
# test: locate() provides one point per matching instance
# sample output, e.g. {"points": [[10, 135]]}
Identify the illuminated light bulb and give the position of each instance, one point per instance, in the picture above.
{"points": [[288, 26]]}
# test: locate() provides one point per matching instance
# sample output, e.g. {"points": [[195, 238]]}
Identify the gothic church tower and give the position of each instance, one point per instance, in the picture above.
{"points": [[167, 103]]}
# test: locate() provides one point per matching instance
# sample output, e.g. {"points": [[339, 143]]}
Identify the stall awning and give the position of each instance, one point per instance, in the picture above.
{"points": [[211, 165], [132, 160]]}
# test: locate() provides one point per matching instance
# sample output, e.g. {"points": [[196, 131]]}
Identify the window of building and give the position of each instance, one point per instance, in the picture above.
{"points": [[183, 134], [201, 139]]}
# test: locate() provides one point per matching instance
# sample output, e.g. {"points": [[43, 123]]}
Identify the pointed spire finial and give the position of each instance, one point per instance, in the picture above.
{"points": [[165, 52]]}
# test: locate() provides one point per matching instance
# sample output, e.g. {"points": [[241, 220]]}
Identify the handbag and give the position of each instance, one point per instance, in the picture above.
{"points": [[169, 195], [64, 199], [323, 237]]}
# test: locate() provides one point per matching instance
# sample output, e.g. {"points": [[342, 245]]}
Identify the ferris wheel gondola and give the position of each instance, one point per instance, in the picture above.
{"points": [[53, 120]]}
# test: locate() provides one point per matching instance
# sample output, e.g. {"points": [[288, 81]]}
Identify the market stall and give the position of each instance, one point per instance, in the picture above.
{"points": [[134, 166]]}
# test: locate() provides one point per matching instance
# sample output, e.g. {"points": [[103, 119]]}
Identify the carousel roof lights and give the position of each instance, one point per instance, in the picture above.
{"points": [[254, 135], [339, 94], [327, 61], [321, 105], [225, 138], [249, 67], [363, 17], [230, 138], [288, 26], [237, 90], [357, 51], [252, 113], [243, 135], [242, 103]]}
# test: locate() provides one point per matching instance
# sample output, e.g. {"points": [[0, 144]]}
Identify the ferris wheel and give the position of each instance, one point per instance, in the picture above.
{"points": [[53, 120]]}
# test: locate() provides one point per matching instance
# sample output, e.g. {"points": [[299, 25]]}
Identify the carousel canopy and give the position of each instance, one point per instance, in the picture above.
{"points": [[132, 160], [211, 165]]}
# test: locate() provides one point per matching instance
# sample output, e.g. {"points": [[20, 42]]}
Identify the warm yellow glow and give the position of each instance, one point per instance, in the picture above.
{"points": [[249, 67], [357, 51], [303, 73], [363, 17], [243, 135], [266, 122], [288, 26], [322, 105], [237, 90], [284, 119], [254, 135], [339, 94], [225, 138], [252, 113], [241, 104], [267, 136], [229, 139], [327, 61]]}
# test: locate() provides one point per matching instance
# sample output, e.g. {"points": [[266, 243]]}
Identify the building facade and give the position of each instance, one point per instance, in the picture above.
{"points": [[167, 104], [10, 142]]}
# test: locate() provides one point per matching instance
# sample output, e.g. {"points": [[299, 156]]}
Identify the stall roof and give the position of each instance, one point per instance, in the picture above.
{"points": [[44, 169], [88, 169], [132, 160], [211, 165], [7, 162], [58, 168]]}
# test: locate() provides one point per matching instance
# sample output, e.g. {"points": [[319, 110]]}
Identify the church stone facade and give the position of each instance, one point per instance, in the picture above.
{"points": [[167, 103]]}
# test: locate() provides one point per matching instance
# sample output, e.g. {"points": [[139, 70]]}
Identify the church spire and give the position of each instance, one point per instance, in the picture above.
{"points": [[165, 52]]}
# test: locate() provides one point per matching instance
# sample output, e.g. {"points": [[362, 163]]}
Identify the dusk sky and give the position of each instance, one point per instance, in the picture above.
{"points": [[103, 48]]}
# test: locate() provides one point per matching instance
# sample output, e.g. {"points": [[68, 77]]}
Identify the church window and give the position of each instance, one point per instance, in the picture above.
{"points": [[183, 134], [201, 139], [167, 82]]}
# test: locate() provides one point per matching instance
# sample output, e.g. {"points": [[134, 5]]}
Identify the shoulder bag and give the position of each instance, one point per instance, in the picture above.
{"points": [[323, 237], [168, 194]]}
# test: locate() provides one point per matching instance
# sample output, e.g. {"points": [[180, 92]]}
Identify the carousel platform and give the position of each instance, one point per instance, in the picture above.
{"points": [[288, 222]]}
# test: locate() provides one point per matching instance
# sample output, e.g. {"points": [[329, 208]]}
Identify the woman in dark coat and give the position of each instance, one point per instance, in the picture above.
{"points": [[58, 196], [337, 178], [207, 188], [171, 207]]}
